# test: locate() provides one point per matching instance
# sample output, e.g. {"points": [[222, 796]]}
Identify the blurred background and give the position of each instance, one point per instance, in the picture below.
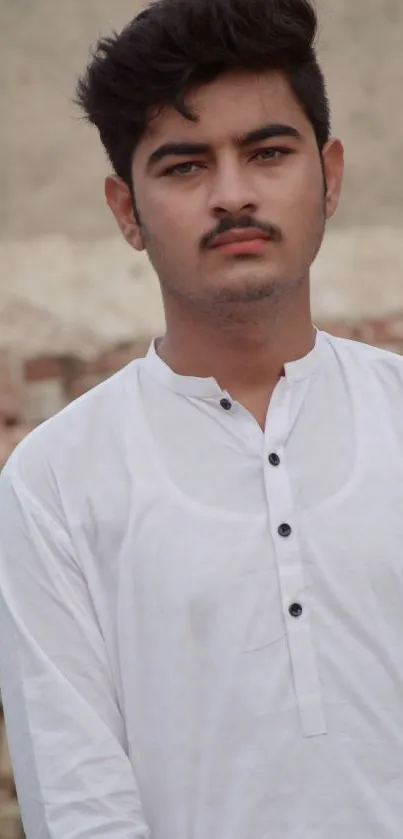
{"points": [[76, 303]]}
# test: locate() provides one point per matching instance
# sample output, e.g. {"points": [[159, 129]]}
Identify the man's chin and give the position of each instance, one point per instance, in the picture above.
{"points": [[245, 295], [241, 290]]}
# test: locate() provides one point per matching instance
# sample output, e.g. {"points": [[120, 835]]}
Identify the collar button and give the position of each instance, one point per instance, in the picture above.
{"points": [[226, 404]]}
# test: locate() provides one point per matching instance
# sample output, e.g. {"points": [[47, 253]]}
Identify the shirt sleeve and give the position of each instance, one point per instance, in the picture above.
{"points": [[66, 733]]}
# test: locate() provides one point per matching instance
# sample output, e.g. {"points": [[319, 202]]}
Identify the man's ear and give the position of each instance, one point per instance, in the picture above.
{"points": [[120, 200], [333, 162]]}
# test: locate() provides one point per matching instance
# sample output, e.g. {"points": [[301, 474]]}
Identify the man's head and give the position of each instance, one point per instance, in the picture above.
{"points": [[215, 117]]}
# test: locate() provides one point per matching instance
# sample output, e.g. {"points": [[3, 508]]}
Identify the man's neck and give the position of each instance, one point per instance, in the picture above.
{"points": [[244, 357]]}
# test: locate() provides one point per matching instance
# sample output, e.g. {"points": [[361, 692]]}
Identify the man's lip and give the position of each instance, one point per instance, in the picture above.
{"points": [[246, 235]]}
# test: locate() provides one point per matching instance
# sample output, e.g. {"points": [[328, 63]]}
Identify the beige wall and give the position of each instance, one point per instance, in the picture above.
{"points": [[66, 279], [54, 165]]}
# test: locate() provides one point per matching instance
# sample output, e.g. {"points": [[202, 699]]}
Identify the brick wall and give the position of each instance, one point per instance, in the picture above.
{"points": [[32, 391]]}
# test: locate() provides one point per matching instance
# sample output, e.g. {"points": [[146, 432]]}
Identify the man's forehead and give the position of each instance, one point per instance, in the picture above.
{"points": [[261, 99]]}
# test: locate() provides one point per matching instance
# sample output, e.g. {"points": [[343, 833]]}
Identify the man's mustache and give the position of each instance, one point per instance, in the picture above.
{"points": [[272, 232]]}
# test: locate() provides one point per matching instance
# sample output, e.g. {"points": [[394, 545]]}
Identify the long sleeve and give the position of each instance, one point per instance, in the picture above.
{"points": [[66, 734]]}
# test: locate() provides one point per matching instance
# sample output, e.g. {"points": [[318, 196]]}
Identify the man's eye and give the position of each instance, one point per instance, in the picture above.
{"points": [[182, 168], [271, 153]]}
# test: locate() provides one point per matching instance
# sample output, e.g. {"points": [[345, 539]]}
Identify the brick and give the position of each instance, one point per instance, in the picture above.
{"points": [[10, 821], [341, 329], [6, 772], [392, 347], [44, 399], [395, 328], [42, 369], [114, 359], [11, 388], [82, 385], [371, 332], [383, 332], [9, 439]]}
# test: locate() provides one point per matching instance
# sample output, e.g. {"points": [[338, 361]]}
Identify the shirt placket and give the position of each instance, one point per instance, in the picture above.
{"points": [[284, 527]]}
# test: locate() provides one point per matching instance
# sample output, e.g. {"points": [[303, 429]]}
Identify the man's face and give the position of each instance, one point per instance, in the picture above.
{"points": [[251, 160]]}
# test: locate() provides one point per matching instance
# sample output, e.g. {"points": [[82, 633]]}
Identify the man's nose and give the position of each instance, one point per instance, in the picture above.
{"points": [[232, 193]]}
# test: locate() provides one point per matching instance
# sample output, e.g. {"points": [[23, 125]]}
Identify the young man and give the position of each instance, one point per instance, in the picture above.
{"points": [[201, 568]]}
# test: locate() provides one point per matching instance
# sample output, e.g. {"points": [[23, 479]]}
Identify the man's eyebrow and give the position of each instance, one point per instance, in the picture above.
{"points": [[176, 150], [265, 132], [269, 132]]}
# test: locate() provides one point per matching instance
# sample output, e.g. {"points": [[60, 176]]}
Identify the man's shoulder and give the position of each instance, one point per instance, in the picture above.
{"points": [[367, 357], [79, 434]]}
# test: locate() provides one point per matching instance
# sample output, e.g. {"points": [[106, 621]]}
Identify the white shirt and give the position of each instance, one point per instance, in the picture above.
{"points": [[155, 682]]}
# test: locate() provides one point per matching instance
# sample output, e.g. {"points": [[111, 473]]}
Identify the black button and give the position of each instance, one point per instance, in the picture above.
{"points": [[295, 610], [274, 459], [226, 404], [285, 530]]}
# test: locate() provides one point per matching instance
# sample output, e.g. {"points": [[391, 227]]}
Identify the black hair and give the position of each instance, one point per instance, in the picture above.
{"points": [[174, 46]]}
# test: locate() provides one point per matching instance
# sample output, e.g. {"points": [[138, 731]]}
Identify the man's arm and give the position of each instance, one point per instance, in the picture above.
{"points": [[66, 734]]}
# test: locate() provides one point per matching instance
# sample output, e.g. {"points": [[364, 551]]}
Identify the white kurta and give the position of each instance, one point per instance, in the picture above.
{"points": [[201, 624]]}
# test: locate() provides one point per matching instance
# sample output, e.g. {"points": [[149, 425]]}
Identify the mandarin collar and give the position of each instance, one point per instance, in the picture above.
{"points": [[208, 388]]}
